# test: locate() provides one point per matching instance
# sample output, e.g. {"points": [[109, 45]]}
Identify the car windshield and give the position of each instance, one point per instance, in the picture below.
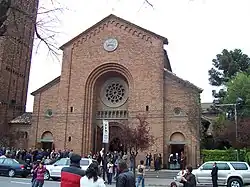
{"points": [[62, 162], [84, 162]]}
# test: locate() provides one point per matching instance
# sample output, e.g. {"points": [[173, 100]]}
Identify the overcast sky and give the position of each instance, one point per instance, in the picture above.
{"points": [[197, 30]]}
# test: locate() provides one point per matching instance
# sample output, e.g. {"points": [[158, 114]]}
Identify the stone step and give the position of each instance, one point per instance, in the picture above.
{"points": [[161, 174]]}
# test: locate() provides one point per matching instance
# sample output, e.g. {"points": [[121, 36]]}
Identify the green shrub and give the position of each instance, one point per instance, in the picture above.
{"points": [[247, 157], [223, 155]]}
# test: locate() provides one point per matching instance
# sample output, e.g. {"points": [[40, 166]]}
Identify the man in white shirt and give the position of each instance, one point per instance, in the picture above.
{"points": [[110, 167]]}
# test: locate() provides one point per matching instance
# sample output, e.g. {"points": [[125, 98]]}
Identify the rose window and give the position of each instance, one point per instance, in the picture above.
{"points": [[114, 92]]}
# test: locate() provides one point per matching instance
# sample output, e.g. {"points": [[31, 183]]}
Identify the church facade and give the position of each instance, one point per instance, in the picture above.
{"points": [[116, 70]]}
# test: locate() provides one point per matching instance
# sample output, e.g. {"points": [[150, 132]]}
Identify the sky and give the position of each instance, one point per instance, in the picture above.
{"points": [[197, 30]]}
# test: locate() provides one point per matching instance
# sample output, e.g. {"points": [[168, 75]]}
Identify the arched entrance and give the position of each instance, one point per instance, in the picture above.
{"points": [[110, 101], [116, 145], [115, 138], [177, 145], [47, 140], [106, 96]]}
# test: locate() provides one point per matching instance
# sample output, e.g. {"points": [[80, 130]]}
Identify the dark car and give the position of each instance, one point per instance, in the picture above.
{"points": [[12, 167]]}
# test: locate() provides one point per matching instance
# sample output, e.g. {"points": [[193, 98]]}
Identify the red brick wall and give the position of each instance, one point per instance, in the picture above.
{"points": [[15, 58], [41, 122], [188, 122]]}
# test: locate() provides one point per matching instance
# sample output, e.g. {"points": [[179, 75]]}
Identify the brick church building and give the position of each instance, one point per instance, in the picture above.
{"points": [[115, 70], [15, 59]]}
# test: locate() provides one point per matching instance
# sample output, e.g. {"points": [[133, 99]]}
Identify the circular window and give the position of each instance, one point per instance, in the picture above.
{"points": [[49, 113], [177, 111], [114, 92]]}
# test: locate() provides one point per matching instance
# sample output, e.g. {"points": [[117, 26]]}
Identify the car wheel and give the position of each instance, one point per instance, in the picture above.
{"points": [[46, 175], [234, 182], [11, 173]]}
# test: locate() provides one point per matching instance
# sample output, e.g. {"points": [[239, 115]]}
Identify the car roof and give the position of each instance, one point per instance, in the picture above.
{"points": [[81, 158], [225, 162]]}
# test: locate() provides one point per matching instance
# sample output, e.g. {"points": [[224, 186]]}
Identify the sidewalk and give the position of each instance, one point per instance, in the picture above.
{"points": [[155, 183]]}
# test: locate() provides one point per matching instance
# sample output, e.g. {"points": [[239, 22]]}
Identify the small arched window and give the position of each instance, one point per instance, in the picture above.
{"points": [[25, 135]]}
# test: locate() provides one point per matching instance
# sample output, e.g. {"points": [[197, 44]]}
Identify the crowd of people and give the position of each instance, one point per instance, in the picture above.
{"points": [[118, 166], [33, 155]]}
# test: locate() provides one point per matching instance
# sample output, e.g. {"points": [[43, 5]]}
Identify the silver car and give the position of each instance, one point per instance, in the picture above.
{"points": [[232, 174], [54, 171]]}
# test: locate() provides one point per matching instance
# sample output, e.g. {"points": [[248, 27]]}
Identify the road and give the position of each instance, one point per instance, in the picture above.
{"points": [[21, 182]]}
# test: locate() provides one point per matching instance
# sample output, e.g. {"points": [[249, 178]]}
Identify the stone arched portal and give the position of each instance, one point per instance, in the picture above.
{"points": [[47, 140], [115, 137], [90, 121], [177, 146], [177, 137], [116, 142]]}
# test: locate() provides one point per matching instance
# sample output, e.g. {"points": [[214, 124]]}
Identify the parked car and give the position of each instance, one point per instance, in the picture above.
{"points": [[229, 174], [12, 167], [53, 171]]}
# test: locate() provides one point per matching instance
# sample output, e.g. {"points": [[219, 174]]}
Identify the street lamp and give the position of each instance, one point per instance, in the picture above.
{"points": [[238, 102]]}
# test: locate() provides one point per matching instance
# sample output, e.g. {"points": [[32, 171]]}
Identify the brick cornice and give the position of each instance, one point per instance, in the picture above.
{"points": [[120, 23], [123, 26]]}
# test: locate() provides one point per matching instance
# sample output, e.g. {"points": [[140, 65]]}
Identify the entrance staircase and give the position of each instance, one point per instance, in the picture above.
{"points": [[162, 174]]}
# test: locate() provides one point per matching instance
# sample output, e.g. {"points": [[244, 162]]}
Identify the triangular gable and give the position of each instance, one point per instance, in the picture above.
{"points": [[128, 26], [47, 86], [182, 81]]}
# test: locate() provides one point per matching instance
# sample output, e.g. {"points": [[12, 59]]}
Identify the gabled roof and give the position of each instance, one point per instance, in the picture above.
{"points": [[182, 81], [112, 16], [25, 118], [47, 86]]}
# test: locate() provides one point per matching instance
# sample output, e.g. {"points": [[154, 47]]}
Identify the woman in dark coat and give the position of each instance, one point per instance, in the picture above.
{"points": [[189, 179]]}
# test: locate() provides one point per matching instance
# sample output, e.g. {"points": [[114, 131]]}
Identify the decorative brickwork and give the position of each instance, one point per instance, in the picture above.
{"points": [[139, 61]]}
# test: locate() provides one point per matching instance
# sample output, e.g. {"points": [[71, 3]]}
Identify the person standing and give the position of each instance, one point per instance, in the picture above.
{"points": [[148, 161], [40, 171], [183, 161], [189, 179], [132, 161], [214, 174], [91, 179], [70, 176], [33, 179], [140, 174], [125, 178], [110, 167]]}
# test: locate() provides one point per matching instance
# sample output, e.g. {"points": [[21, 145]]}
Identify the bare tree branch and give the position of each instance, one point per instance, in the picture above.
{"points": [[44, 21], [150, 4]]}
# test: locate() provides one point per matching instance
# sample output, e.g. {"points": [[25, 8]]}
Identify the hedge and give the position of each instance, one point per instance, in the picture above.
{"points": [[247, 157], [225, 155]]}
